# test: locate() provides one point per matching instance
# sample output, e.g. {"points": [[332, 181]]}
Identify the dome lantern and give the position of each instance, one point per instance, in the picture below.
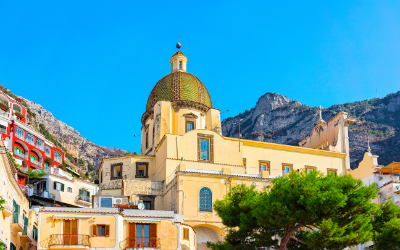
{"points": [[178, 62]]}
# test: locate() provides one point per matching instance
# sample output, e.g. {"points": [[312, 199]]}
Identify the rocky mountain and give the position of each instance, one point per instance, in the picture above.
{"points": [[276, 118], [70, 139]]}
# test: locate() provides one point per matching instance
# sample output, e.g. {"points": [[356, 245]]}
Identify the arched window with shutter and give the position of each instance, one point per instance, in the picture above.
{"points": [[205, 200]]}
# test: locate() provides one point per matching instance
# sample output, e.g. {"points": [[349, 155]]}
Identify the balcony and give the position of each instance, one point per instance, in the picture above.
{"points": [[135, 243], [21, 155], [18, 114], [84, 199], [4, 106], [43, 194], [17, 223], [26, 236], [8, 207], [69, 241], [36, 162]]}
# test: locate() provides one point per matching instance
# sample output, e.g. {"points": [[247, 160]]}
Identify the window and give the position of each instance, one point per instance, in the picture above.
{"points": [[47, 151], [39, 144], [286, 168], [58, 186], [69, 189], [205, 200], [18, 151], [244, 162], [147, 139], [142, 170], [142, 235], [84, 195], [180, 64], [264, 166], [309, 169], [12, 246], [332, 171], [70, 232], [101, 230], [35, 233], [189, 126], [116, 171], [30, 139], [186, 233], [20, 133], [147, 205], [3, 129], [57, 157], [204, 149], [106, 202], [33, 159], [46, 164]]}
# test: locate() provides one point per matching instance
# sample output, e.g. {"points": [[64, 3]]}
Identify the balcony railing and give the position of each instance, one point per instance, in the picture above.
{"points": [[69, 239], [151, 242], [36, 162], [28, 232], [43, 194], [84, 198], [21, 155], [18, 219]]}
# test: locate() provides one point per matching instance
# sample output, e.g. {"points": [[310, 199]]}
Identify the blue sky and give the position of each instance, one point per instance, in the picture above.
{"points": [[94, 63]]}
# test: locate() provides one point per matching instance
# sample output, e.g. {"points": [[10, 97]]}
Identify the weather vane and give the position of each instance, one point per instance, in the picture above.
{"points": [[178, 45]]}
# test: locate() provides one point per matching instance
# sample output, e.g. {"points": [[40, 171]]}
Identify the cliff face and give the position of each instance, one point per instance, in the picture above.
{"points": [[74, 143], [275, 118]]}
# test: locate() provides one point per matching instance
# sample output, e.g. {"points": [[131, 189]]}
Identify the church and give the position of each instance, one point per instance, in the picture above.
{"points": [[186, 164]]}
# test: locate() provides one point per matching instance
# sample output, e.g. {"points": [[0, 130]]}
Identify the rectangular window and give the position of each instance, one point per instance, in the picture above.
{"points": [[180, 64], [310, 169], [84, 195], [332, 171], [116, 171], [58, 186], [34, 159], [57, 157], [20, 133], [35, 233], [101, 230], [30, 139], [39, 144], [3, 129], [18, 151], [186, 233], [142, 170], [47, 151], [204, 149], [286, 168], [147, 205], [264, 166], [189, 126], [106, 202], [143, 235], [70, 232]]}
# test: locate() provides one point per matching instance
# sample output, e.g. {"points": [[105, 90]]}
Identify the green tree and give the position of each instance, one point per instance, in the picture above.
{"points": [[299, 211], [386, 224]]}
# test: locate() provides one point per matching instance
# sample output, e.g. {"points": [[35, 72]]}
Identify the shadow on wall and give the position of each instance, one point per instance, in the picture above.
{"points": [[204, 235]]}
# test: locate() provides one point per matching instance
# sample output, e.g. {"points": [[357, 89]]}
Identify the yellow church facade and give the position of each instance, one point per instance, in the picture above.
{"points": [[185, 163]]}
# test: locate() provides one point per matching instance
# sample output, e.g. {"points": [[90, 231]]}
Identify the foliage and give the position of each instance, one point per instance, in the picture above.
{"points": [[332, 208], [386, 224], [2, 202], [1, 245], [4, 102], [49, 161], [35, 173], [16, 110]]}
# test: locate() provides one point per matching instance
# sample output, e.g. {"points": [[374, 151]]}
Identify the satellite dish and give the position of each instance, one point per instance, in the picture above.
{"points": [[141, 206]]}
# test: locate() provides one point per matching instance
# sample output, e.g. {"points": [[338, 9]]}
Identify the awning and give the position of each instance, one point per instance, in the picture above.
{"points": [[143, 221], [72, 217]]}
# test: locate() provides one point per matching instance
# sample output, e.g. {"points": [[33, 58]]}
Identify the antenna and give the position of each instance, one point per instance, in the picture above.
{"points": [[225, 111]]}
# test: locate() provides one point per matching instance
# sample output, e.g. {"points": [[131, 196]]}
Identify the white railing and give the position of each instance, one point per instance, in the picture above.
{"points": [[275, 172], [253, 170], [4, 114], [23, 156]]}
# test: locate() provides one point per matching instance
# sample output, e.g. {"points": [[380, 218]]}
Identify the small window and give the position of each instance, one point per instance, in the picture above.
{"points": [[3, 129], [47, 151], [116, 171], [264, 166], [142, 170], [189, 126], [205, 200], [101, 230], [286, 168], [180, 64], [147, 140], [69, 189], [205, 149], [186, 233], [20, 133], [332, 171], [58, 186], [310, 169]]}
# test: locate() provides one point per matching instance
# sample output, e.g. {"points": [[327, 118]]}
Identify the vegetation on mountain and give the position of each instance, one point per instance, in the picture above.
{"points": [[306, 210]]}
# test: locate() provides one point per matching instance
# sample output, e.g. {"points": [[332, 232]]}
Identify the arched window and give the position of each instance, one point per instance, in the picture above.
{"points": [[205, 200]]}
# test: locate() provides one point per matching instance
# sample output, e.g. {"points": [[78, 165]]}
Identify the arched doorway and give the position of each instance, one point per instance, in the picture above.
{"points": [[206, 234]]}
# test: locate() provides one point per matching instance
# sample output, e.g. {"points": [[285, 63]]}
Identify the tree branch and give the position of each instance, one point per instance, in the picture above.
{"points": [[297, 239]]}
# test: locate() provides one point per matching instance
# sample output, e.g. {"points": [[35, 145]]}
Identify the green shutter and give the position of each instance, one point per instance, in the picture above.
{"points": [[80, 192], [55, 185], [62, 187]]}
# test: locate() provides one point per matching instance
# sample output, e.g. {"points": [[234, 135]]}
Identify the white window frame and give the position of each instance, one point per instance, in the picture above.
{"points": [[20, 133], [57, 157], [28, 135], [45, 151]]}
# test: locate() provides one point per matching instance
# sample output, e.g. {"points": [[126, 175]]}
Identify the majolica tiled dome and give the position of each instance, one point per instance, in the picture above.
{"points": [[179, 86]]}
